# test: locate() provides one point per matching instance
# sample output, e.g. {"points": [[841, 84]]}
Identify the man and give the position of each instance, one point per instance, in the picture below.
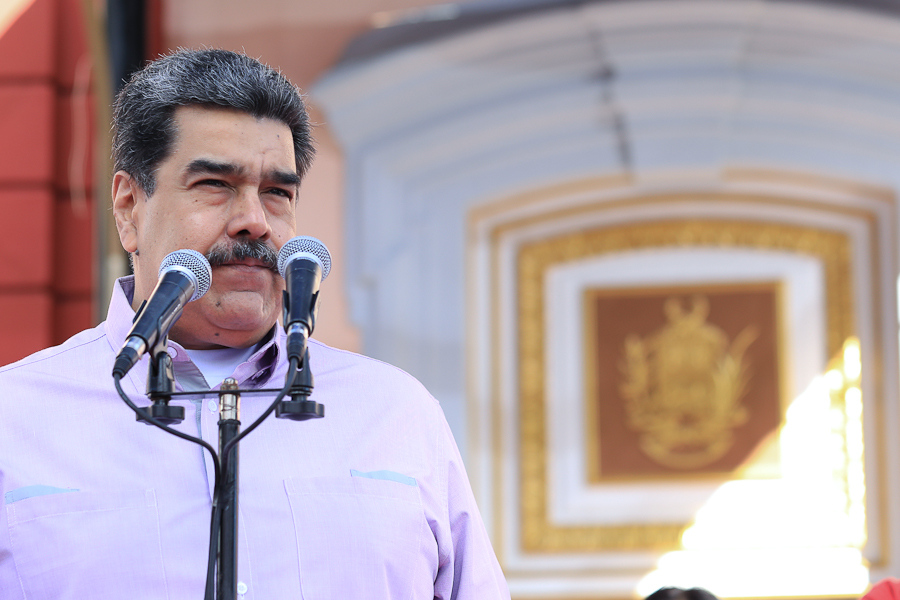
{"points": [[370, 502]]}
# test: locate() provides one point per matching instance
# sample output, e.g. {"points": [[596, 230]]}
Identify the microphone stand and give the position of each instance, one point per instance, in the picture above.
{"points": [[229, 428]]}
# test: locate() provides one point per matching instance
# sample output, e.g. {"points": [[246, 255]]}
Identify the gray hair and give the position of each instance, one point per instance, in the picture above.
{"points": [[144, 111]]}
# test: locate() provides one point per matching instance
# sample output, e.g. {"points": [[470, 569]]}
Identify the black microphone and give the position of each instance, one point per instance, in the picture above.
{"points": [[184, 276], [304, 262]]}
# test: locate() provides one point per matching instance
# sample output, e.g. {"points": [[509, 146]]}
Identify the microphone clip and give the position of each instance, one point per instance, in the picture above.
{"points": [[300, 407], [160, 387]]}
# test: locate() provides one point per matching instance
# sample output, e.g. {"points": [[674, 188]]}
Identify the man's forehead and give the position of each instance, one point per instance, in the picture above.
{"points": [[206, 140]]}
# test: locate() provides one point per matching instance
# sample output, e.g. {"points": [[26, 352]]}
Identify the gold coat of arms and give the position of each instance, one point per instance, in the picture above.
{"points": [[683, 385]]}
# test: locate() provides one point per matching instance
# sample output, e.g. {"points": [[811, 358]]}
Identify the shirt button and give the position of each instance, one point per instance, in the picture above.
{"points": [[212, 405], [241, 588]]}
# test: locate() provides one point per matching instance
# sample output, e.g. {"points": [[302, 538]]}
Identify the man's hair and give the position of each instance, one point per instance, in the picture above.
{"points": [[144, 111], [673, 593]]}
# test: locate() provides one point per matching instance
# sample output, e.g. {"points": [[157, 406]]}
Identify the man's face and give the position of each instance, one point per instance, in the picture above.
{"points": [[229, 178]]}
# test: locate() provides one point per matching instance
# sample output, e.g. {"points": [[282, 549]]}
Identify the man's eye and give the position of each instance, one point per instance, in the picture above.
{"points": [[283, 193], [212, 182]]}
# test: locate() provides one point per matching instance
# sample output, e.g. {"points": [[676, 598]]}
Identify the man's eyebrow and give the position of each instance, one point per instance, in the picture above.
{"points": [[285, 177], [204, 165]]}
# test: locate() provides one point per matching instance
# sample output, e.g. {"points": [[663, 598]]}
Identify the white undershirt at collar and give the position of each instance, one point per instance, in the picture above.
{"points": [[217, 365]]}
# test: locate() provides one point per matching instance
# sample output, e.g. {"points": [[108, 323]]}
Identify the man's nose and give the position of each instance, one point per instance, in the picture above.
{"points": [[248, 216]]}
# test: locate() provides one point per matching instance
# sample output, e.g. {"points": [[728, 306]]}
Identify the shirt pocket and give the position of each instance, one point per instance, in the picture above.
{"points": [[360, 538], [88, 545]]}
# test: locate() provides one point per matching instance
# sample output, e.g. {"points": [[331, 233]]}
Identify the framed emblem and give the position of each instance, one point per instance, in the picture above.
{"points": [[682, 381]]}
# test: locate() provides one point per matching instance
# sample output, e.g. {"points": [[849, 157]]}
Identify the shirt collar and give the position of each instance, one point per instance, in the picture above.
{"points": [[258, 369]]}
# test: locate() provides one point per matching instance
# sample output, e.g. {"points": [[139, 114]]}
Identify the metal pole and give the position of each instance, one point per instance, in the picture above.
{"points": [[229, 428]]}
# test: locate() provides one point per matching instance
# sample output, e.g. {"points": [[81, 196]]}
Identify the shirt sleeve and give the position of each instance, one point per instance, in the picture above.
{"points": [[468, 565]]}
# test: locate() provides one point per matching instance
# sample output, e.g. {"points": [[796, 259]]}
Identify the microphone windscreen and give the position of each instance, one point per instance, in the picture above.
{"points": [[192, 263], [304, 244]]}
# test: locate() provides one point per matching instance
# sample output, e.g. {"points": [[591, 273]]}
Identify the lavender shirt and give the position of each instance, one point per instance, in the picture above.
{"points": [[370, 502]]}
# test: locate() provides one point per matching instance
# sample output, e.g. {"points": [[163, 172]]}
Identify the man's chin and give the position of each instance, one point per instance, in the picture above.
{"points": [[219, 337], [239, 317], [234, 320]]}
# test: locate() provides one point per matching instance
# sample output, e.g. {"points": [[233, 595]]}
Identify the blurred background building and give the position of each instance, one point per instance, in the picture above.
{"points": [[644, 252]]}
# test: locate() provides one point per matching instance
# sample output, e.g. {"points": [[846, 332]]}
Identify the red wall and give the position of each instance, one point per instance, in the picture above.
{"points": [[46, 136]]}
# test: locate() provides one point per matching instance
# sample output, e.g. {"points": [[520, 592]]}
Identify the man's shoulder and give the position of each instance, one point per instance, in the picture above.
{"points": [[370, 374], [83, 345]]}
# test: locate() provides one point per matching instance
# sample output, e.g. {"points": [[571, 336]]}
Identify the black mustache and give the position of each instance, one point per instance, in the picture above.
{"points": [[241, 250]]}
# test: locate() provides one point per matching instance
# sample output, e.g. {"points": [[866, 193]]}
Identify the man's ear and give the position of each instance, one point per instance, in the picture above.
{"points": [[126, 194]]}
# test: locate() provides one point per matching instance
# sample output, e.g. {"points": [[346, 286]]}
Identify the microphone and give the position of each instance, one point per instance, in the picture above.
{"points": [[184, 276], [304, 262]]}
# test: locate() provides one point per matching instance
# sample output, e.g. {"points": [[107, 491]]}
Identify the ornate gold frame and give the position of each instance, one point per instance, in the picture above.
{"points": [[831, 248]]}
